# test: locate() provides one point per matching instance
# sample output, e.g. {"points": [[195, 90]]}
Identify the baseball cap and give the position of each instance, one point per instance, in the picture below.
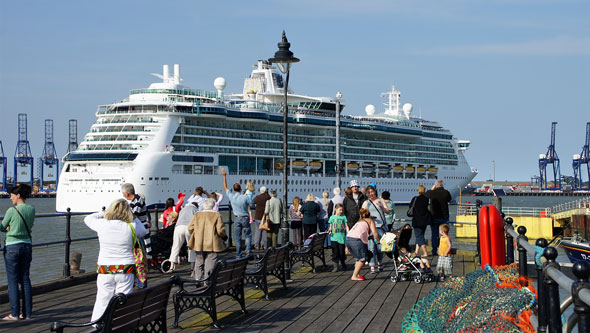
{"points": [[374, 185], [354, 183]]}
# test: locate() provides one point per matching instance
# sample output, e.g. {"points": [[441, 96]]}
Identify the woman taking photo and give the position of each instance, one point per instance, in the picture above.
{"points": [[357, 240], [18, 253], [115, 264]]}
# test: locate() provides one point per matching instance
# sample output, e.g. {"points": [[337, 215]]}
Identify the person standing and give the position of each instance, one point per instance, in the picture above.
{"points": [[240, 204], [18, 252], [181, 233], [353, 202], [207, 239], [295, 216], [198, 196], [139, 210], [338, 230], [439, 207], [421, 219], [323, 216], [444, 268], [274, 212], [260, 202], [310, 210], [378, 209], [337, 199], [116, 263], [389, 217]]}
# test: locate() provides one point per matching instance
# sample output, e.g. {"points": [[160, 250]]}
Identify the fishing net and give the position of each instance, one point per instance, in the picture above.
{"points": [[491, 299]]}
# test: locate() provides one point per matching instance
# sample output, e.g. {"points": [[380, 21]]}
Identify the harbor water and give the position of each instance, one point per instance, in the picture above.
{"points": [[48, 261]]}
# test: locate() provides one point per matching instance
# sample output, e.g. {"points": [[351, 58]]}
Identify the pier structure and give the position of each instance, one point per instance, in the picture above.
{"points": [[23, 156], [550, 157], [49, 158], [579, 161], [73, 135]]}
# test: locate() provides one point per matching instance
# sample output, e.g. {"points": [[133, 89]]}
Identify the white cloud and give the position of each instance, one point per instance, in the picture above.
{"points": [[558, 46]]}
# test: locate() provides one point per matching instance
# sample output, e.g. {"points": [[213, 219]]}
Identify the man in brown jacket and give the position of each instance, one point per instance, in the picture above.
{"points": [[207, 238]]}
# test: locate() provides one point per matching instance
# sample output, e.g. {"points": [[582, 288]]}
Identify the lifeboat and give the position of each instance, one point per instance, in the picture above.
{"points": [[299, 164], [278, 166], [368, 167], [432, 169], [353, 166], [421, 169], [315, 165], [384, 168], [398, 168], [410, 168]]}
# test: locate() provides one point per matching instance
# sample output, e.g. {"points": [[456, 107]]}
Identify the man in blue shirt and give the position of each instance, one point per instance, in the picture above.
{"points": [[240, 203]]}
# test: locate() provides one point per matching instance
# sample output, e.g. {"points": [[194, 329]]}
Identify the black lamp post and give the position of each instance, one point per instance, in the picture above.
{"points": [[284, 58], [338, 169]]}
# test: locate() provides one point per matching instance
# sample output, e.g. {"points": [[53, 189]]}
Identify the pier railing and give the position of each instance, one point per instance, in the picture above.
{"points": [[577, 204], [549, 279]]}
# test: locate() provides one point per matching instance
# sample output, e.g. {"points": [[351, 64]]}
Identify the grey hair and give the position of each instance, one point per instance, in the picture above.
{"points": [[263, 189], [128, 188], [438, 183], [273, 193], [336, 191], [208, 204]]}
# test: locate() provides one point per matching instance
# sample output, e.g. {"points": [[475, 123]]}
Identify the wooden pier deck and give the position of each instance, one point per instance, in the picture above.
{"points": [[314, 302]]}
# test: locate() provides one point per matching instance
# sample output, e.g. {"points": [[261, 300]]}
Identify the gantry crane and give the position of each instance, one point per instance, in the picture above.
{"points": [[22, 155], [49, 157], [582, 159], [550, 158]]}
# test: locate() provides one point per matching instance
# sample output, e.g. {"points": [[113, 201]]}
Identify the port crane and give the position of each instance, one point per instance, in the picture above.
{"points": [[49, 157], [22, 155], [4, 166], [550, 158], [582, 159]]}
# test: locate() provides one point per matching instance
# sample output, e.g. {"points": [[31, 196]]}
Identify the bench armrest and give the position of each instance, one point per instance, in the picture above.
{"points": [[58, 326], [182, 281]]}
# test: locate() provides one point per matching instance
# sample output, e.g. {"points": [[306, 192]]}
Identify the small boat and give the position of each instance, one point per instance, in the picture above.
{"points": [[315, 165], [368, 167], [421, 169], [410, 168], [278, 166], [432, 169], [576, 248], [298, 164], [353, 166], [398, 168], [383, 168]]}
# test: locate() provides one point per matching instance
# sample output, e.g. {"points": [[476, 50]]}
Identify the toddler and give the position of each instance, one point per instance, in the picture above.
{"points": [[444, 267]]}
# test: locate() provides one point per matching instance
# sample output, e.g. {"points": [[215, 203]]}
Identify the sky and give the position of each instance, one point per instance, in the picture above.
{"points": [[496, 73]]}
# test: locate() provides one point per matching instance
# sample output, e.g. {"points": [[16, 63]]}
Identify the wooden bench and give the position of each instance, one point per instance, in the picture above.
{"points": [[143, 310], [315, 249], [227, 278], [272, 263]]}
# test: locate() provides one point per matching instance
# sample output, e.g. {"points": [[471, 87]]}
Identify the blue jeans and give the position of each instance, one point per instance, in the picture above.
{"points": [[324, 227], [434, 230], [242, 223], [17, 258], [376, 248]]}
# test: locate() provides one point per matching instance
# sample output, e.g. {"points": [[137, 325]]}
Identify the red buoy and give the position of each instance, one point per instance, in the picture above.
{"points": [[484, 237], [497, 238]]}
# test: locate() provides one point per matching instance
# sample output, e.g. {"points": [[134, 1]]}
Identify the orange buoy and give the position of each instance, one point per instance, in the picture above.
{"points": [[497, 238]]}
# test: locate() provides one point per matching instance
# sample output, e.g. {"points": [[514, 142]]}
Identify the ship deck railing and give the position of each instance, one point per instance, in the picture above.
{"points": [[471, 209]]}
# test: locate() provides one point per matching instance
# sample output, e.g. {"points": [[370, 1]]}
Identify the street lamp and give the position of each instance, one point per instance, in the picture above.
{"points": [[284, 58], [338, 171]]}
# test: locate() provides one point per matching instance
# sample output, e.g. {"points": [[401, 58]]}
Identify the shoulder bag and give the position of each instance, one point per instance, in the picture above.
{"points": [[141, 267], [383, 222], [410, 212], [264, 223], [25, 223]]}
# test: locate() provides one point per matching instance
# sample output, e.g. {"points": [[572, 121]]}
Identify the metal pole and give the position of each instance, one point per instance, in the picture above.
{"points": [[157, 218], [68, 243], [553, 306], [542, 292], [478, 204], [509, 242], [285, 222], [522, 262], [230, 233], [338, 180], [581, 270]]}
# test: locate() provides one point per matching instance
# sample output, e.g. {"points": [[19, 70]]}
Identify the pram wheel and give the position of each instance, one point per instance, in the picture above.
{"points": [[418, 279], [166, 266]]}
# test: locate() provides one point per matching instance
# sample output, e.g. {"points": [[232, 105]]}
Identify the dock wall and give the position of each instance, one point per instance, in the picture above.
{"points": [[537, 227]]}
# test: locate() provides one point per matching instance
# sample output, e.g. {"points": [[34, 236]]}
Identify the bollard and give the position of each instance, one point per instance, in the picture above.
{"points": [[66, 272], [478, 204], [509, 242], [581, 270], [497, 201], [542, 292], [552, 288], [75, 263], [522, 262]]}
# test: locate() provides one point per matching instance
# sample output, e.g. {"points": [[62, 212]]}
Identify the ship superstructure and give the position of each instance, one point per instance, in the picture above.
{"points": [[168, 139]]}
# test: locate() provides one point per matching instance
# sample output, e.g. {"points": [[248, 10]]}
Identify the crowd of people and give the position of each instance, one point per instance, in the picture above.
{"points": [[355, 223]]}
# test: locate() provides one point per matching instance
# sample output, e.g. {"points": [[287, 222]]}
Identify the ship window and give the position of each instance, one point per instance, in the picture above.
{"points": [[151, 178]]}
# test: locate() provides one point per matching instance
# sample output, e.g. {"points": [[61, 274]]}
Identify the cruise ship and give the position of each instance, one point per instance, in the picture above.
{"points": [[169, 138]]}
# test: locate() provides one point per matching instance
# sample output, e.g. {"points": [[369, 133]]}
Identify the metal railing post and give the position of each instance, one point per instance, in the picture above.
{"points": [[553, 306], [522, 261], [68, 242], [509, 242], [542, 292], [157, 211], [581, 270], [230, 233], [478, 204]]}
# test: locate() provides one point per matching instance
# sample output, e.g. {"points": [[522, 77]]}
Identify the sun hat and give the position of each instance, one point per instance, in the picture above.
{"points": [[354, 183]]}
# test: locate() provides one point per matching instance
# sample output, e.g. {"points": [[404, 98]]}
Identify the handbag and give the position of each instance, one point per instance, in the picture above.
{"points": [[410, 212], [264, 223], [141, 266]]}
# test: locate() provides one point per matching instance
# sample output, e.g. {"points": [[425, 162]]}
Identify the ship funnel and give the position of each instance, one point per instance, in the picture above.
{"points": [[177, 74], [166, 72]]}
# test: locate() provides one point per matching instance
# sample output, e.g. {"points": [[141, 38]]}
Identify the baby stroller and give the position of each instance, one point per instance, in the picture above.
{"points": [[162, 242], [405, 268]]}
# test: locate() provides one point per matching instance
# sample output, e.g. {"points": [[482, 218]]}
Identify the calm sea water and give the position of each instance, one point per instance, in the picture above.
{"points": [[48, 261]]}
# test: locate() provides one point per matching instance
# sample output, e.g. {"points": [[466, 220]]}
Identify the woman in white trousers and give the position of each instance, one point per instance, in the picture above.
{"points": [[181, 234], [116, 264]]}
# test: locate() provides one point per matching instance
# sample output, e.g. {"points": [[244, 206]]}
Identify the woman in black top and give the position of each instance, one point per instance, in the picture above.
{"points": [[310, 210], [421, 218]]}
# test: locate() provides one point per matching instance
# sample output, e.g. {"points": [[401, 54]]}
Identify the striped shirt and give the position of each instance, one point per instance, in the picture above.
{"points": [[138, 208]]}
